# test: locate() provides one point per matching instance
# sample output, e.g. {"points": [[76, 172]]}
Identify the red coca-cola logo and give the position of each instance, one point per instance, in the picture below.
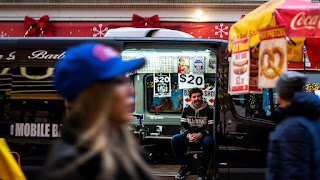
{"points": [[303, 21]]}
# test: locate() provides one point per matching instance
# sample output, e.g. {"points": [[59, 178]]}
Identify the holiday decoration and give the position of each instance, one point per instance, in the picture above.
{"points": [[140, 22], [312, 87], [39, 27]]}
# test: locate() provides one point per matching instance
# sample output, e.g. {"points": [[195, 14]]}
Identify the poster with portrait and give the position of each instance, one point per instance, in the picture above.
{"points": [[239, 67], [183, 64], [162, 85], [211, 64], [169, 104], [198, 64], [272, 55], [209, 94]]}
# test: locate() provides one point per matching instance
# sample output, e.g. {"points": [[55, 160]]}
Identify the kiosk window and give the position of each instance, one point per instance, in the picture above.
{"points": [[176, 102]]}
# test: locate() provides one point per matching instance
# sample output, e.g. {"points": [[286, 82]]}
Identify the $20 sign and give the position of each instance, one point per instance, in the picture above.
{"points": [[191, 81]]}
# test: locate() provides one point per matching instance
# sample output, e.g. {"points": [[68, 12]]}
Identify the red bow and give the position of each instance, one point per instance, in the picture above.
{"points": [[37, 27], [140, 22]]}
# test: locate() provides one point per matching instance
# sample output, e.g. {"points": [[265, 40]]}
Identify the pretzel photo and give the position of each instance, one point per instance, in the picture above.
{"points": [[277, 69]]}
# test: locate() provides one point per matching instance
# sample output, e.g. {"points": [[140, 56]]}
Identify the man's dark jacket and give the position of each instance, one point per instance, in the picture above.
{"points": [[197, 120], [294, 145]]}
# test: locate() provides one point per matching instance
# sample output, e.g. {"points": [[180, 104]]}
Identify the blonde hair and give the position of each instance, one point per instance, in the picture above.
{"points": [[89, 120]]}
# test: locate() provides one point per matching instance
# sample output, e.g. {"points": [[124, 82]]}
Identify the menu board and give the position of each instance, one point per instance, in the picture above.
{"points": [[239, 67], [272, 55]]}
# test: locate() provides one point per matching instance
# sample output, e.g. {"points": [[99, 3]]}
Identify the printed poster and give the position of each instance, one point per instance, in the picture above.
{"points": [[166, 64], [186, 81], [170, 104], [152, 65], [253, 82], [209, 94], [239, 67], [272, 55], [198, 64], [183, 64], [211, 64], [162, 85]]}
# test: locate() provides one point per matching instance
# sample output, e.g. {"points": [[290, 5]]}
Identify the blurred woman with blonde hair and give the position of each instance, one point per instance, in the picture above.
{"points": [[96, 142]]}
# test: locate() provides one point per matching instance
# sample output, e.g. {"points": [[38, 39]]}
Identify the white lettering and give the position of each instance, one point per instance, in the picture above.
{"points": [[38, 130], [42, 54], [55, 130], [12, 56], [156, 117], [33, 132], [47, 130], [61, 55], [26, 130], [301, 21], [19, 129], [41, 130]]}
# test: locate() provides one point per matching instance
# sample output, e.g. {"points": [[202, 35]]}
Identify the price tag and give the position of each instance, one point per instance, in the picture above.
{"points": [[162, 85], [191, 81]]}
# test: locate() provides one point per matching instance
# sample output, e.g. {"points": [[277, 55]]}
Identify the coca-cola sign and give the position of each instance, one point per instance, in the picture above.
{"points": [[43, 54], [304, 21], [301, 21]]}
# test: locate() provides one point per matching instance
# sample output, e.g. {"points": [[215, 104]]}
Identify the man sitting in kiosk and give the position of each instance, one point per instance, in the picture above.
{"points": [[196, 127]]}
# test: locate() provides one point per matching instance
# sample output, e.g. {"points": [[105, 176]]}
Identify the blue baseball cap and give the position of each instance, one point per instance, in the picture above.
{"points": [[87, 63]]}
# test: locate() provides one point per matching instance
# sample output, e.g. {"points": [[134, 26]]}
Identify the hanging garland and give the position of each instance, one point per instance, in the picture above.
{"points": [[312, 87]]}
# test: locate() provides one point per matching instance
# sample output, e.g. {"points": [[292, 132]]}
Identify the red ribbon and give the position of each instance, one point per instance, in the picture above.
{"points": [[37, 27], [140, 22]]}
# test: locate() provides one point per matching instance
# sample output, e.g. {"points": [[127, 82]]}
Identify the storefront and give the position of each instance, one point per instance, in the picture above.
{"points": [[94, 18]]}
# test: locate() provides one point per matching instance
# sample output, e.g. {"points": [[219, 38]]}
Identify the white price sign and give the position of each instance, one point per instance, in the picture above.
{"points": [[187, 81], [162, 85]]}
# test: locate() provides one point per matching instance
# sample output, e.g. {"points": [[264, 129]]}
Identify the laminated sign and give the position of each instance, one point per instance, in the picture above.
{"points": [[239, 67], [162, 85], [198, 64], [191, 81], [209, 94], [272, 56]]}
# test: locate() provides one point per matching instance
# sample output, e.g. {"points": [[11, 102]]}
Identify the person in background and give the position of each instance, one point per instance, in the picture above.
{"points": [[95, 142], [294, 145], [196, 127]]}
